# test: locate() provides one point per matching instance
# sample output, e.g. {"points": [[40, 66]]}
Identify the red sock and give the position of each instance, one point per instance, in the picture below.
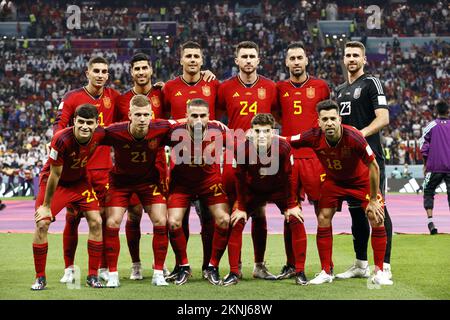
{"points": [[95, 252], [40, 258], [207, 240], [133, 233], [298, 243], [290, 260], [103, 260], [160, 244], [325, 246], [234, 246], [259, 236], [219, 244], [178, 242], [70, 238], [379, 240], [112, 246]]}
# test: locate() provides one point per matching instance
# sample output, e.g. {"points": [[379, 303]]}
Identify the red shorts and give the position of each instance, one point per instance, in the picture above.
{"points": [[80, 196], [307, 175], [146, 193], [229, 182], [333, 194], [99, 179], [211, 194]]}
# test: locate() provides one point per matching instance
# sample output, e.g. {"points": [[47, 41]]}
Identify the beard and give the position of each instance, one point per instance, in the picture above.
{"points": [[143, 84], [353, 71], [298, 74], [247, 71]]}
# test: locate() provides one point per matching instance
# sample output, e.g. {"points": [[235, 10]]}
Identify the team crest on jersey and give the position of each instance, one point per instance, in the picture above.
{"points": [[261, 93], [153, 144], [206, 91], [311, 92], [357, 93], [155, 101], [107, 102]]}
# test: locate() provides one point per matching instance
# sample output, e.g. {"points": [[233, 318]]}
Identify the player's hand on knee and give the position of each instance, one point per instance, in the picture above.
{"points": [[375, 211], [42, 213], [295, 212], [238, 215]]}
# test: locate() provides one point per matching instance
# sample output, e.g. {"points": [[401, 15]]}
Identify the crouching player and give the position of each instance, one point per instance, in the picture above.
{"points": [[64, 182], [264, 173], [197, 145], [136, 144], [351, 173]]}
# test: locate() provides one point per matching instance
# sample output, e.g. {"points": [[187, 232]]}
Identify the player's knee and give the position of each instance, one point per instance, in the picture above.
{"points": [[159, 220], [223, 221], [42, 226], [174, 223], [323, 220], [95, 223]]}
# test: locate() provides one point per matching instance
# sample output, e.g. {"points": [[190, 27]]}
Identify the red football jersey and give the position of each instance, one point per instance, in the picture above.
{"points": [[134, 160], [105, 105], [242, 103], [123, 104], [298, 108], [347, 161], [66, 151], [256, 177], [196, 164], [177, 93]]}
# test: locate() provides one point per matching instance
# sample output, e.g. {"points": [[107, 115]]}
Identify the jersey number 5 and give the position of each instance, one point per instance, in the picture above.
{"points": [[297, 107], [346, 108]]}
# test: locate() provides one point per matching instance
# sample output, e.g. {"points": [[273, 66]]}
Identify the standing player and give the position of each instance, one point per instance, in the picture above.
{"points": [[176, 94], [197, 145], [104, 99], [63, 182], [435, 148], [351, 173], [141, 72], [264, 173], [136, 146], [297, 98], [242, 97], [363, 105]]}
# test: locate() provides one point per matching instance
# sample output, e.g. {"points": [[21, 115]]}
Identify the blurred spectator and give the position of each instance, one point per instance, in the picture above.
{"points": [[396, 174]]}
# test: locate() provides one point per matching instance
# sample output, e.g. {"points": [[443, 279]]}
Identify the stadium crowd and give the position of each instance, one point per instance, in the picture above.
{"points": [[33, 81]]}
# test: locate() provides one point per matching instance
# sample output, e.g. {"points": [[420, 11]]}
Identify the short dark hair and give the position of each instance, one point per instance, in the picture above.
{"points": [[198, 102], [140, 57], [356, 44], [97, 59], [327, 105], [296, 45], [191, 45], [263, 119], [442, 108], [246, 45], [87, 111]]}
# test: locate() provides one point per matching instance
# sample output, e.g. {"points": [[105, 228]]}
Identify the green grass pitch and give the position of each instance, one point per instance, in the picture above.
{"points": [[420, 265]]}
